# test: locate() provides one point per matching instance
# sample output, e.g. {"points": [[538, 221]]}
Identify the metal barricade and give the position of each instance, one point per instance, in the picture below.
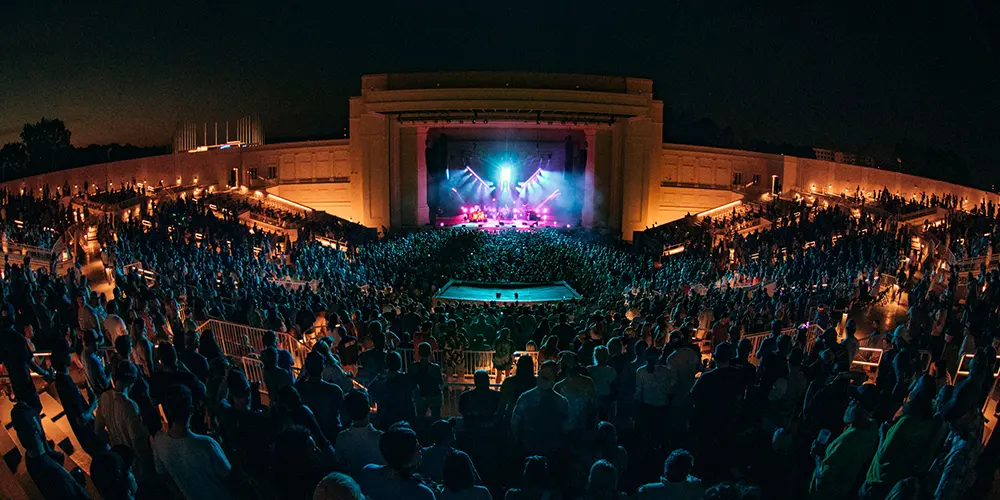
{"points": [[241, 340], [296, 285], [254, 370], [471, 362]]}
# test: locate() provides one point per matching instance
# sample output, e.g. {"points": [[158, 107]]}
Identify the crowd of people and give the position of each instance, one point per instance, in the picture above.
{"points": [[610, 396], [37, 221], [115, 195]]}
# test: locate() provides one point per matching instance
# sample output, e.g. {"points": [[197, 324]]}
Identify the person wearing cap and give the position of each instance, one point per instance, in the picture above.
{"points": [[953, 471], [906, 446], [442, 434], [119, 422], [841, 462], [401, 451]]}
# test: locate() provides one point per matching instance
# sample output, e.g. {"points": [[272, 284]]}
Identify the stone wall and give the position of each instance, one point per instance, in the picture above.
{"points": [[331, 175], [838, 178], [691, 177], [319, 164]]}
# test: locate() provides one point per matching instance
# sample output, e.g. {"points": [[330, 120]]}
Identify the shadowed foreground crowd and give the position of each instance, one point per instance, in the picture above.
{"points": [[607, 398]]}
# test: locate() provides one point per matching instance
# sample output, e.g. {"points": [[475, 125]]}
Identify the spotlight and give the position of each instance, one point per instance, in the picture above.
{"points": [[441, 224], [505, 174]]}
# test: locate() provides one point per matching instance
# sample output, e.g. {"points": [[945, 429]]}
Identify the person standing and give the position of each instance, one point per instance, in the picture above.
{"points": [[358, 445], [479, 406], [18, 359], [676, 483], [401, 452], [49, 476], [541, 415], [113, 325], [427, 376], [581, 394], [503, 354], [953, 471], [119, 422], [194, 463], [906, 445], [393, 392], [78, 412], [841, 462], [326, 400]]}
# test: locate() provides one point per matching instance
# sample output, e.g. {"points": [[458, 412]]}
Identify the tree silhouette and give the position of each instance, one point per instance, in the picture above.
{"points": [[46, 143], [13, 161]]}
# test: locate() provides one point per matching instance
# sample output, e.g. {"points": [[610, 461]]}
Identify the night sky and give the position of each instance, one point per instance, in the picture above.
{"points": [[832, 75]]}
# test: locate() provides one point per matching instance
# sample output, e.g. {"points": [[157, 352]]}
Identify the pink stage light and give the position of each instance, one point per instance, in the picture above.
{"points": [[545, 217], [545, 210], [465, 210]]}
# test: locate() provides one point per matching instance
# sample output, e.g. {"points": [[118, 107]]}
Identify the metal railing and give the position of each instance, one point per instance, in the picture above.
{"points": [[243, 341], [296, 285], [36, 253], [966, 266], [471, 361], [272, 221], [756, 339]]}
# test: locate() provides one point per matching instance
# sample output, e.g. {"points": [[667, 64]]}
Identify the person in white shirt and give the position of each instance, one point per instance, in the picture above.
{"points": [[195, 463], [357, 446], [113, 324], [119, 422]]}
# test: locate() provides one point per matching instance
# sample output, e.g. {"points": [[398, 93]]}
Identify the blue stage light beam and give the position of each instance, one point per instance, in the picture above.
{"points": [[478, 178]]}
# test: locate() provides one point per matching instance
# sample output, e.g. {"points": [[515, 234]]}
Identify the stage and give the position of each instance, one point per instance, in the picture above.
{"points": [[523, 293], [498, 224]]}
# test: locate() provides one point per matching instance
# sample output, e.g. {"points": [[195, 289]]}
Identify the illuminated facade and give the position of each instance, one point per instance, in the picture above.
{"points": [[379, 176]]}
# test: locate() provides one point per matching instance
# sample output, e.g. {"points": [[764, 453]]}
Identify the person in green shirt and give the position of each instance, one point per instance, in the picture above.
{"points": [[840, 464], [907, 445]]}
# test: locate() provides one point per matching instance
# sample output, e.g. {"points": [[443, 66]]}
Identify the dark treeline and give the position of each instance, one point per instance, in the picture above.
{"points": [[45, 147]]}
